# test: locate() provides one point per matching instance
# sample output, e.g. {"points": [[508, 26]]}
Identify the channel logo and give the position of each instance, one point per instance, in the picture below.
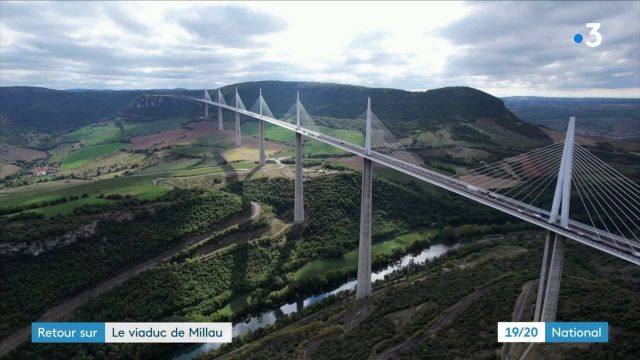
{"points": [[595, 38]]}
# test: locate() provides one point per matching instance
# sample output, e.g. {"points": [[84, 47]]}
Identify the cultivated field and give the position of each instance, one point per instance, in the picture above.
{"points": [[174, 137], [8, 170], [11, 153], [85, 155]]}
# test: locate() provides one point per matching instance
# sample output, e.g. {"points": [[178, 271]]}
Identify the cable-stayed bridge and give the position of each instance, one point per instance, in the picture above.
{"points": [[606, 210]]}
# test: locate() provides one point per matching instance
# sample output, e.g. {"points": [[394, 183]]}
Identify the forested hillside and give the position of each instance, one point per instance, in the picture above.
{"points": [[137, 231], [248, 276], [54, 110]]}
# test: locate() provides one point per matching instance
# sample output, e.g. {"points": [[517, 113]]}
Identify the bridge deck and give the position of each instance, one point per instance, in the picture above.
{"points": [[577, 231]]}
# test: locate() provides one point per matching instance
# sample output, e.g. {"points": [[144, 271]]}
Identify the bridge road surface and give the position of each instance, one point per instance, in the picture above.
{"points": [[577, 231]]}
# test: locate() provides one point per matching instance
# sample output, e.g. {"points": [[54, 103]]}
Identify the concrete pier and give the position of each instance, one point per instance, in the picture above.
{"points": [[220, 124], [363, 289], [544, 271], [263, 155], [298, 208], [206, 106], [554, 276], [238, 131]]}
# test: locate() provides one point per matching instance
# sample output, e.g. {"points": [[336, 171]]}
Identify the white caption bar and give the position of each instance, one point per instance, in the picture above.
{"points": [[521, 332], [168, 332]]}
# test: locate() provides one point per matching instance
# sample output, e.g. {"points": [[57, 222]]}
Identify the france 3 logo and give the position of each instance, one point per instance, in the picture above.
{"points": [[595, 38]]}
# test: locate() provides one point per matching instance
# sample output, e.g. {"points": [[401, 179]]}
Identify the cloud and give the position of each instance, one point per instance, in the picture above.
{"points": [[505, 48], [230, 25], [531, 44], [85, 45]]}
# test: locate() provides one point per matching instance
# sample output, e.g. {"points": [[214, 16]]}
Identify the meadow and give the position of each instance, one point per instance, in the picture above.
{"points": [[349, 260], [138, 186], [94, 134], [85, 155]]}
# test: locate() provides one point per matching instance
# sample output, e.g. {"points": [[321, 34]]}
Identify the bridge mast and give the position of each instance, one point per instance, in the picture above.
{"points": [[220, 125], [298, 208], [238, 134], [263, 157], [206, 106], [363, 288], [554, 245]]}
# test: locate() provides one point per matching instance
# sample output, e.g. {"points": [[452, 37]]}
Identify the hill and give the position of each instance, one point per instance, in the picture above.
{"points": [[58, 110], [616, 118], [462, 110], [465, 113]]}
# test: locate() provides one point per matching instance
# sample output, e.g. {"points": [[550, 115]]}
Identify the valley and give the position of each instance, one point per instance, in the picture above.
{"points": [[143, 214]]}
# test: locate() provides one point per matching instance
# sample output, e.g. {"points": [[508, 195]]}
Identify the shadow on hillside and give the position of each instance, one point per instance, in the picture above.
{"points": [[253, 171]]}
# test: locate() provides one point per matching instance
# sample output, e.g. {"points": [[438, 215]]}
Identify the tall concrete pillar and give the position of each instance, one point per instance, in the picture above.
{"points": [[544, 273], [263, 155], [206, 106], [363, 288], [238, 131], [220, 124], [553, 258], [552, 292], [298, 208]]}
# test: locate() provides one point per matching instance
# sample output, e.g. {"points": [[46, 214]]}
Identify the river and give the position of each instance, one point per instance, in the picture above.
{"points": [[270, 317]]}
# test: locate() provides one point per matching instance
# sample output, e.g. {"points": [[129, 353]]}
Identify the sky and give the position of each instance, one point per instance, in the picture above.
{"points": [[504, 48]]}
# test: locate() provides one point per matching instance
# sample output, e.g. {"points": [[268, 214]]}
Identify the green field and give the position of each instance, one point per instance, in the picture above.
{"points": [[67, 208], [271, 132], [76, 159], [165, 166], [132, 130], [215, 169], [350, 259], [279, 134], [109, 131], [95, 134], [139, 186]]}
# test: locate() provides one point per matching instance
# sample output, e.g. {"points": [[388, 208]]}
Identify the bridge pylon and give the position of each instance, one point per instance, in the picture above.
{"points": [[554, 245], [363, 289], [206, 106], [298, 208], [263, 156], [238, 131], [220, 124]]}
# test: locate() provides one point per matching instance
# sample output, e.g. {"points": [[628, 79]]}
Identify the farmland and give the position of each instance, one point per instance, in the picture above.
{"points": [[282, 135], [13, 153], [87, 154]]}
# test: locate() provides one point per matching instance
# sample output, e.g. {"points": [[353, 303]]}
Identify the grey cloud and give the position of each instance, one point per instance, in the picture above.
{"points": [[49, 56], [126, 20], [497, 45], [531, 43], [377, 58], [230, 25]]}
